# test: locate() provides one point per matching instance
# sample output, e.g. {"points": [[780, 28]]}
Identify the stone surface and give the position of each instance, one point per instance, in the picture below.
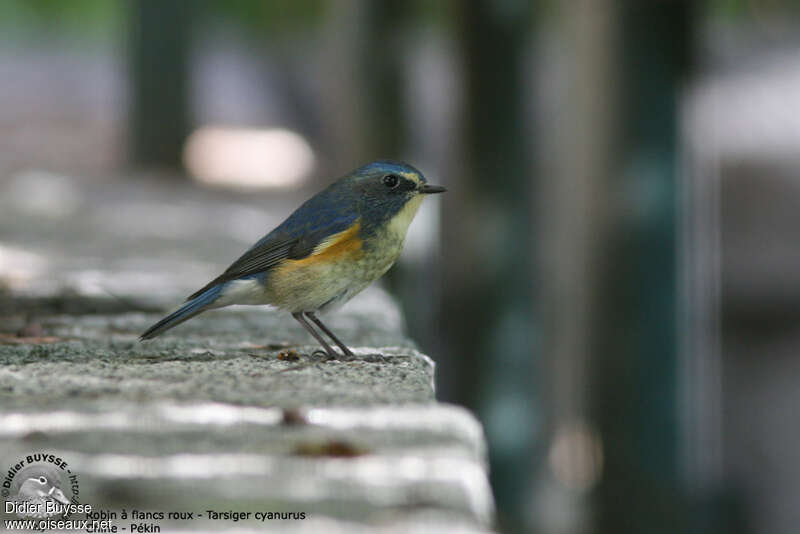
{"points": [[228, 412], [228, 356], [231, 411]]}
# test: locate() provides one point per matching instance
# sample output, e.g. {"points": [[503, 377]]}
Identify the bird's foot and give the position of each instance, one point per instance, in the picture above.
{"points": [[323, 355], [333, 355]]}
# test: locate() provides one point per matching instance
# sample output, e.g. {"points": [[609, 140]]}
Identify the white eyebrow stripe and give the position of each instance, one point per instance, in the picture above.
{"points": [[414, 177]]}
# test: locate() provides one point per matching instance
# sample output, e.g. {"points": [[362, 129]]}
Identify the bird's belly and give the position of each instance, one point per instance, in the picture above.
{"points": [[309, 286]]}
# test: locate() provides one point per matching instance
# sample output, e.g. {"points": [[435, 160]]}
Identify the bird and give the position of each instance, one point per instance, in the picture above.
{"points": [[39, 484], [327, 251]]}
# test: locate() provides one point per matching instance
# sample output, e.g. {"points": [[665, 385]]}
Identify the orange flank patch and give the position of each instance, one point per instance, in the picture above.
{"points": [[336, 247]]}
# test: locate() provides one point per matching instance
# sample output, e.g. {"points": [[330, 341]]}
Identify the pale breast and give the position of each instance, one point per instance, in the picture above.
{"points": [[324, 284], [326, 280], [381, 253]]}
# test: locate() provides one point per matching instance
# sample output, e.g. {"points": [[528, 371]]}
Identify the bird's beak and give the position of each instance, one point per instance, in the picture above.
{"points": [[426, 189], [58, 495]]}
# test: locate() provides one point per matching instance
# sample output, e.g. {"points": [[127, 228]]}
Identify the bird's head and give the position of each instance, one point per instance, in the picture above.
{"points": [[41, 483], [388, 192]]}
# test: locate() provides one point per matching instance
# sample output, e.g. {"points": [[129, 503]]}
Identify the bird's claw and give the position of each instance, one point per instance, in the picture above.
{"points": [[319, 353]]}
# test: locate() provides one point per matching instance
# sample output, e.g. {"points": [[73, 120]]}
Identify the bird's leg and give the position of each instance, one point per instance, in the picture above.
{"points": [[302, 320], [313, 317]]}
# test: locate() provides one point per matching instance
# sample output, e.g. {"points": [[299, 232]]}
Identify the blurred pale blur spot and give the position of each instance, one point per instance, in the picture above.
{"points": [[243, 158], [43, 194], [420, 244], [18, 266], [576, 456]]}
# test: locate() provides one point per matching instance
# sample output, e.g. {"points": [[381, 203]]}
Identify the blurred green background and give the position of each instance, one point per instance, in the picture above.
{"points": [[611, 282]]}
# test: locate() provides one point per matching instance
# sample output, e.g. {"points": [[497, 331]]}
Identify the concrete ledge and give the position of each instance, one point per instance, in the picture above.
{"points": [[226, 412]]}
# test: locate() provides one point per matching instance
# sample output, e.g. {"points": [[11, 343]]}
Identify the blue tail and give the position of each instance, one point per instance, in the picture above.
{"points": [[197, 305]]}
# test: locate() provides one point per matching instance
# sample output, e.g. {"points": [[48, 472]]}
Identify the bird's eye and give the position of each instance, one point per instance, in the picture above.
{"points": [[42, 480], [391, 181]]}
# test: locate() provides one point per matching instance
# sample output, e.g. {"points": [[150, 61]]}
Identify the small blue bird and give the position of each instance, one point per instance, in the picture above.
{"points": [[332, 247]]}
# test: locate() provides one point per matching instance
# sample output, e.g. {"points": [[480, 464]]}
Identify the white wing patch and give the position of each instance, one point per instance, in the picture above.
{"points": [[242, 292]]}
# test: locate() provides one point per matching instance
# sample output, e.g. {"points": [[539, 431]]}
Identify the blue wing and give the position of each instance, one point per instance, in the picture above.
{"points": [[321, 216]]}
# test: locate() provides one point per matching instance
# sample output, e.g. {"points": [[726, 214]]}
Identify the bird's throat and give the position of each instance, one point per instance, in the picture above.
{"points": [[398, 225]]}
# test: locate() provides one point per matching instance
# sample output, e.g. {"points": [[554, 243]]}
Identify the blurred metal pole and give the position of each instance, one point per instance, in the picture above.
{"points": [[635, 370], [486, 314], [158, 73], [383, 77], [369, 119], [342, 72], [365, 82], [573, 216]]}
